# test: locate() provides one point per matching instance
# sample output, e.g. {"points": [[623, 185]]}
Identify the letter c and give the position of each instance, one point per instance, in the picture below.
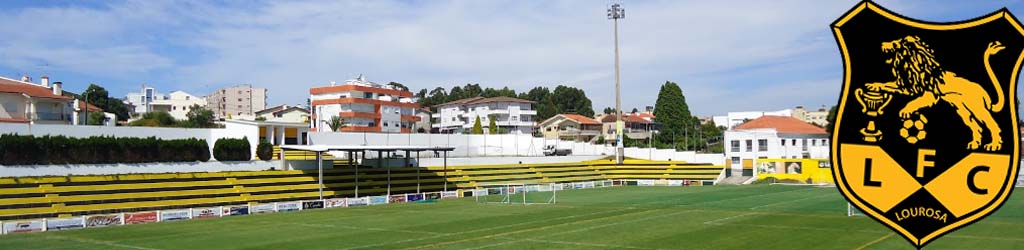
{"points": [[970, 180]]}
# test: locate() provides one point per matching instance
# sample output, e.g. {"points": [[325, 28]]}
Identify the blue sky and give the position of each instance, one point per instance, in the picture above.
{"points": [[726, 55]]}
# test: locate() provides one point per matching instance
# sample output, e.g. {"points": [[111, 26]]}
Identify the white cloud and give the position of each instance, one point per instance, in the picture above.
{"points": [[726, 55]]}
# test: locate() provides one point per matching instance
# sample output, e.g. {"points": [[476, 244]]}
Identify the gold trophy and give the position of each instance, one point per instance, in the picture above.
{"points": [[872, 104]]}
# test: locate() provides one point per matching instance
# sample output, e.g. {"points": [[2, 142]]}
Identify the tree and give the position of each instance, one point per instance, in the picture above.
{"points": [[99, 97], [831, 118], [97, 118], [200, 117], [398, 86], [492, 128], [336, 123], [635, 110], [477, 128], [673, 114], [609, 111], [570, 100]]}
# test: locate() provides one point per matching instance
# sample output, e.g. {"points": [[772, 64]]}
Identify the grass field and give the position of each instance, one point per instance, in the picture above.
{"points": [[718, 217]]}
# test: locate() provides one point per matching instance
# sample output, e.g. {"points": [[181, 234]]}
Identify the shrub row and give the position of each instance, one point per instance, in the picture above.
{"points": [[228, 149], [31, 150]]}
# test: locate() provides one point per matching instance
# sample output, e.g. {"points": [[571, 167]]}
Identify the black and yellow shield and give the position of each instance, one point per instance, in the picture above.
{"points": [[926, 136]]}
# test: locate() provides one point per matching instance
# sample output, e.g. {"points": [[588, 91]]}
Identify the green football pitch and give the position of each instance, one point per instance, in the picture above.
{"points": [[719, 217]]}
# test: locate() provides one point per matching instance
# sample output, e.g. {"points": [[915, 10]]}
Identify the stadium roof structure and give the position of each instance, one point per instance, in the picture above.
{"points": [[354, 149]]}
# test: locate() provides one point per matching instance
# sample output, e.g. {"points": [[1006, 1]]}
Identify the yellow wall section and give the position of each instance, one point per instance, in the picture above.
{"points": [[809, 168]]}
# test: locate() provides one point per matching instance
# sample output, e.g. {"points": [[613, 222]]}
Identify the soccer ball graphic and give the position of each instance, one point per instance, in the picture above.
{"points": [[913, 129]]}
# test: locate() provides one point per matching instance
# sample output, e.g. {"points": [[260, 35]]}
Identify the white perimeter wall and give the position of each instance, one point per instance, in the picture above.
{"points": [[231, 130], [139, 168], [520, 145]]}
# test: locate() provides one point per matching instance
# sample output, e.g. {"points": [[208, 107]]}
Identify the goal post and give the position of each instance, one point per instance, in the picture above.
{"points": [[516, 193]]}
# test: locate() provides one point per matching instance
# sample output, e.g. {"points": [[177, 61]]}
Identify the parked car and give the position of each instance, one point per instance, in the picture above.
{"points": [[551, 150]]}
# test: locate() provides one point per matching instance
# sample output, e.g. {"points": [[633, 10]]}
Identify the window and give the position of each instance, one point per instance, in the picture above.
{"points": [[824, 142], [750, 145], [368, 95], [239, 106], [239, 99], [735, 145], [783, 142], [385, 124], [736, 161], [814, 143], [186, 98], [396, 125], [793, 142], [762, 145], [805, 145], [174, 107]]}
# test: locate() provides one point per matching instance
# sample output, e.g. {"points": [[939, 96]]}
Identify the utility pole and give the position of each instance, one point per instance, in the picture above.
{"points": [[616, 12]]}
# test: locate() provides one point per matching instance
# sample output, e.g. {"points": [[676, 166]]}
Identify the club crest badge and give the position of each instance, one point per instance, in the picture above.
{"points": [[926, 138]]}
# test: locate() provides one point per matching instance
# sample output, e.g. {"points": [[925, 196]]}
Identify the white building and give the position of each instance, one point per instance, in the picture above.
{"points": [[365, 106], [143, 98], [284, 113], [775, 137], [732, 119], [178, 104], [511, 114]]}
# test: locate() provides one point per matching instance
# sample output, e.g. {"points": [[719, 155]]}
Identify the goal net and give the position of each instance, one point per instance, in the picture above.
{"points": [[852, 210], [516, 193]]}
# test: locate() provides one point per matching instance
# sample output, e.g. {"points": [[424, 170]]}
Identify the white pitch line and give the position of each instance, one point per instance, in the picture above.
{"points": [[361, 228], [791, 201], [587, 229], [591, 244], [99, 242], [718, 221], [741, 197], [478, 230]]}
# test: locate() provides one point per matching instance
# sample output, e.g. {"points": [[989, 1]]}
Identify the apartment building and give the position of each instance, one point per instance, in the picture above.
{"points": [[774, 137], [817, 117], [365, 106], [237, 102], [512, 115]]}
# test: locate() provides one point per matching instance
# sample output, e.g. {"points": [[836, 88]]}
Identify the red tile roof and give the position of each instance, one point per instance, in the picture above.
{"points": [[629, 118], [580, 119], [478, 100], [91, 107], [35, 91], [782, 124], [14, 120]]}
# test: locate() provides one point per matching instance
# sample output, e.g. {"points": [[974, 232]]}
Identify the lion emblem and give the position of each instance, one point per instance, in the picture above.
{"points": [[918, 74]]}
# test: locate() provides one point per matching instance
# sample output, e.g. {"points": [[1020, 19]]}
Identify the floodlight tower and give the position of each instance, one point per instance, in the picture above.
{"points": [[616, 12]]}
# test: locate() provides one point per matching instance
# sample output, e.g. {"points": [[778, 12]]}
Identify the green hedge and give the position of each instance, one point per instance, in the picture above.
{"points": [[31, 150], [265, 151], [228, 149]]}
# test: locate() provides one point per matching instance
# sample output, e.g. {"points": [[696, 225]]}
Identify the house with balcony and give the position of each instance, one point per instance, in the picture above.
{"points": [[570, 127], [511, 115], [22, 101], [773, 137], [636, 126], [365, 106]]}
